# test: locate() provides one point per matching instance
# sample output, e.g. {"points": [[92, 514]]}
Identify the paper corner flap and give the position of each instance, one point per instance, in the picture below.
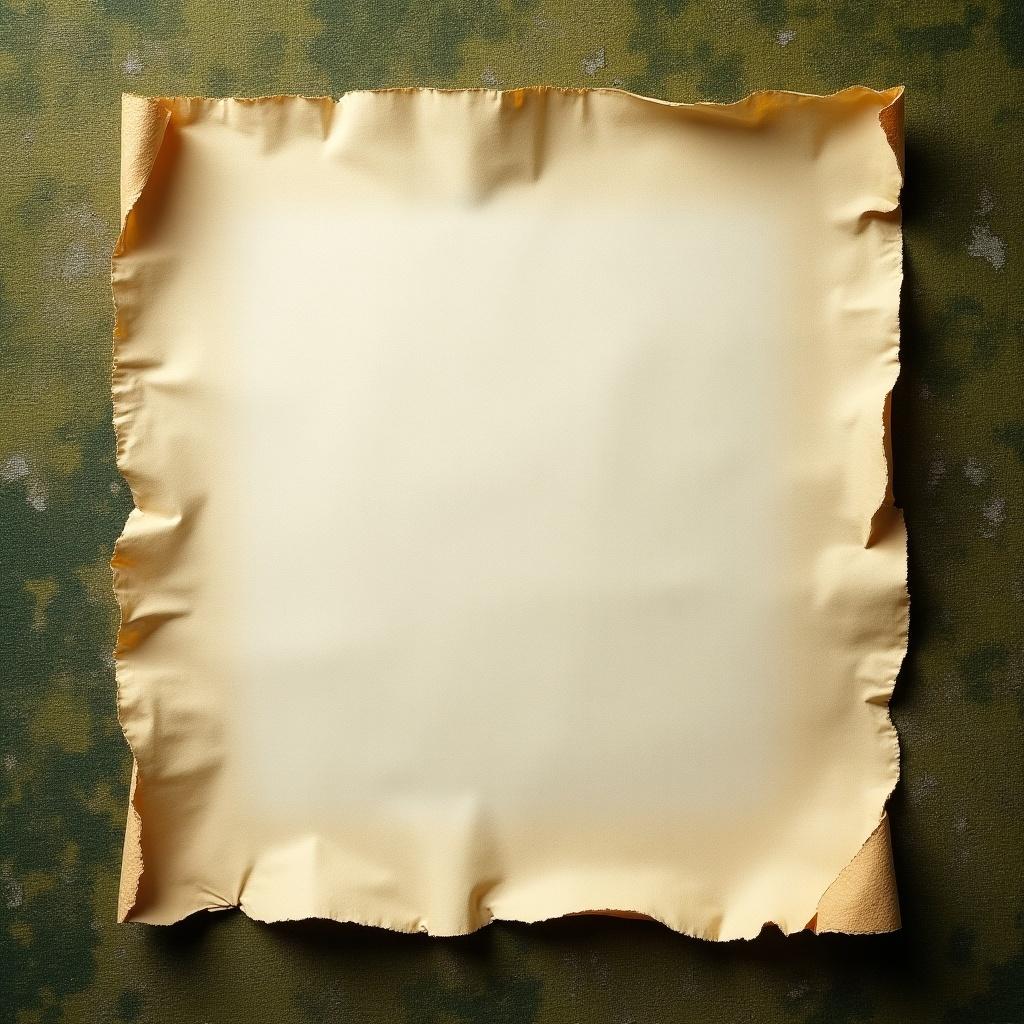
{"points": [[863, 898], [131, 855], [143, 123], [891, 117]]}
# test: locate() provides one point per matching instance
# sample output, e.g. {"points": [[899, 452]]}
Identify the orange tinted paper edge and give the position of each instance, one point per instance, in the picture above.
{"points": [[143, 123]]}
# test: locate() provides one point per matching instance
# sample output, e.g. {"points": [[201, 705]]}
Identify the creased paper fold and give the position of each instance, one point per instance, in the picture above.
{"points": [[514, 532]]}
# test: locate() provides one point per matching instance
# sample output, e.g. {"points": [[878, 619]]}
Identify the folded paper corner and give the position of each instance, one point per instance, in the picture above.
{"points": [[131, 855], [891, 117], [143, 123], [863, 899]]}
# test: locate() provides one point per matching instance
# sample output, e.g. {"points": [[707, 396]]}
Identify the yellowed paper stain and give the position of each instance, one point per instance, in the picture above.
{"points": [[514, 532]]}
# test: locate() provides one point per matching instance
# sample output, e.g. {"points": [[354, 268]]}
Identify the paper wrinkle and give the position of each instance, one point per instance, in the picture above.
{"points": [[862, 897]]}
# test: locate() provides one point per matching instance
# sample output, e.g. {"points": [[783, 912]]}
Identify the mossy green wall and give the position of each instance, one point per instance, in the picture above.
{"points": [[959, 424]]}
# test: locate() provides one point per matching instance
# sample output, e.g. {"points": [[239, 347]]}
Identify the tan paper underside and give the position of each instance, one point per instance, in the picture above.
{"points": [[514, 531]]}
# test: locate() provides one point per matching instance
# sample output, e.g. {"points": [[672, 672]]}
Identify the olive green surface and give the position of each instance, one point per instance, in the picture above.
{"points": [[959, 440]]}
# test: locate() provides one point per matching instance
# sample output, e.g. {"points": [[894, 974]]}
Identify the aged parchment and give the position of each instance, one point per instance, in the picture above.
{"points": [[514, 534]]}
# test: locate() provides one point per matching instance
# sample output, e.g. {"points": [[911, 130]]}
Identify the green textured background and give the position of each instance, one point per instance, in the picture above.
{"points": [[959, 425]]}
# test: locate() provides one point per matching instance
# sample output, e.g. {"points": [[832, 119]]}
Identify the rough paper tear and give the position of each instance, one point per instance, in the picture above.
{"points": [[513, 534]]}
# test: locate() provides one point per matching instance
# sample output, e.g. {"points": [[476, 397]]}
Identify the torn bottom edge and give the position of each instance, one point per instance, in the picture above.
{"points": [[862, 900]]}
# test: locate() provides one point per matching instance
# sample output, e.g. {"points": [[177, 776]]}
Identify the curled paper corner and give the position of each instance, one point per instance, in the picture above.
{"points": [[863, 899], [143, 123], [131, 854], [891, 118]]}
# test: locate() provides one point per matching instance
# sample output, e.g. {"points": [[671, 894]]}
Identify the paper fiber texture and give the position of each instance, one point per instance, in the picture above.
{"points": [[514, 535]]}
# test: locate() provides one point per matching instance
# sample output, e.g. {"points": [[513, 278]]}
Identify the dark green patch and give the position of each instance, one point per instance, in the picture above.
{"points": [[53, 787], [221, 81], [942, 37], [1001, 1003], [1012, 436], [507, 997], [365, 46], [270, 54], [963, 943], [21, 39], [1010, 26], [721, 74], [157, 17], [130, 1004], [38, 206], [648, 11], [980, 671], [965, 338], [770, 12]]}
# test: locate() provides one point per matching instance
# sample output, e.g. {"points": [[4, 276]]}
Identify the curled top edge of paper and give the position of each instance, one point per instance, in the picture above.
{"points": [[863, 898]]}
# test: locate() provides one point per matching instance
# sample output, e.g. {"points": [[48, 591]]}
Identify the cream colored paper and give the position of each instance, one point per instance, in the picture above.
{"points": [[514, 535]]}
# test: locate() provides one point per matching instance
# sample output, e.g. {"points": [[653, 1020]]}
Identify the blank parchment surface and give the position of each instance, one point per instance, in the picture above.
{"points": [[514, 535]]}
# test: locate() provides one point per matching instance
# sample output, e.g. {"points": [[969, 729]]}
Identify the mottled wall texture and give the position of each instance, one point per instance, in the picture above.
{"points": [[958, 814]]}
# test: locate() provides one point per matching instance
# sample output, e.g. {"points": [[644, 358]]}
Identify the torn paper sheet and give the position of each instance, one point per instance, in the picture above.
{"points": [[514, 535]]}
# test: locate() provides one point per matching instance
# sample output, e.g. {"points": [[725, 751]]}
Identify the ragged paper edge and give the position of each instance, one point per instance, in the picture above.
{"points": [[863, 898], [143, 125]]}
